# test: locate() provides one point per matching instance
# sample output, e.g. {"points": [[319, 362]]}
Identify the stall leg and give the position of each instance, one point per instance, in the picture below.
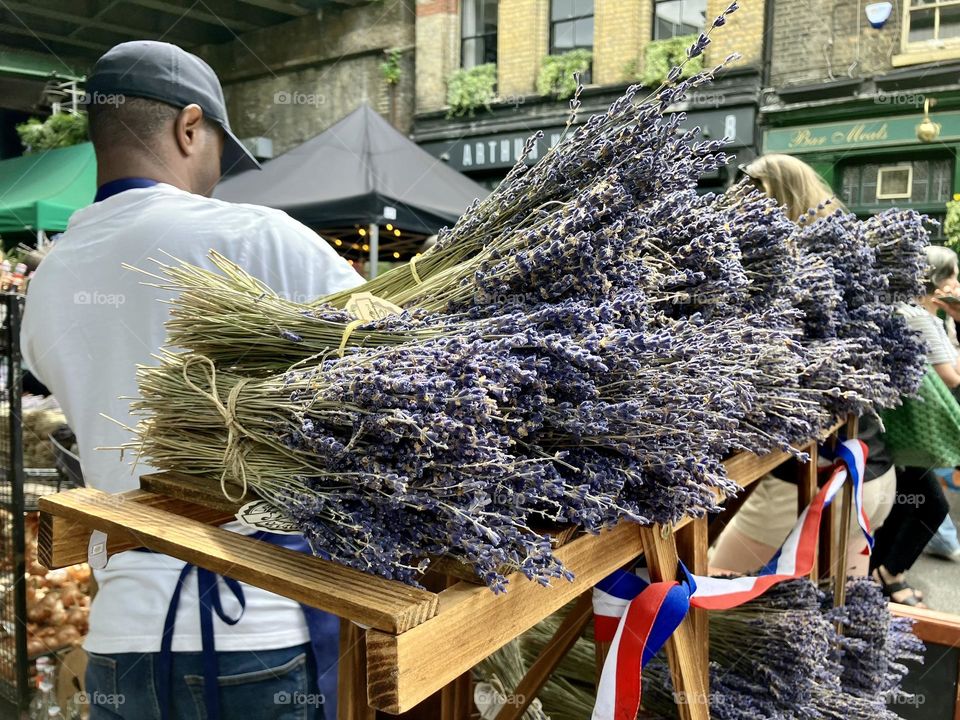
{"points": [[692, 550], [684, 657], [352, 675]]}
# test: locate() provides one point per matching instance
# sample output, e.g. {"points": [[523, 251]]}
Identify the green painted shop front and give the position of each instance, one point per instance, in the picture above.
{"points": [[849, 153]]}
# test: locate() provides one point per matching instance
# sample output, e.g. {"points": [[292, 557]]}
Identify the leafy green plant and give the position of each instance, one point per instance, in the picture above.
{"points": [[390, 68], [556, 73], [470, 89], [59, 130], [661, 55], [951, 224]]}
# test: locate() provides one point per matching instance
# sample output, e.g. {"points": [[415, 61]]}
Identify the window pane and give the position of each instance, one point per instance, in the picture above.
{"points": [[941, 184], [921, 25], [583, 7], [562, 36], [560, 9], [490, 48], [849, 192], [489, 16], [583, 33], [921, 178], [668, 17], [868, 184], [949, 22], [471, 53]]}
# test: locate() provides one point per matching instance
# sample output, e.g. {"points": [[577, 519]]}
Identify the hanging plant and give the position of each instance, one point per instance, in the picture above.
{"points": [[59, 130], [470, 89], [556, 73], [390, 68], [951, 225], [662, 55]]}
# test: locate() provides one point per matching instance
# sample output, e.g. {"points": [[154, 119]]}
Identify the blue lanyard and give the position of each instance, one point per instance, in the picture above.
{"points": [[108, 189]]}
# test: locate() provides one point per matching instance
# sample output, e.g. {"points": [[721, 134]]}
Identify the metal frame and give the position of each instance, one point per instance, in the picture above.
{"points": [[14, 684]]}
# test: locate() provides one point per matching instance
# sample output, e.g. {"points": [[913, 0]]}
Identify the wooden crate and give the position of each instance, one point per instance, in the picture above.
{"points": [[418, 642]]}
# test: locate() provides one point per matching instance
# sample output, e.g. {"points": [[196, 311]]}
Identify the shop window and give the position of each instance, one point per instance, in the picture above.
{"points": [[571, 25], [478, 32], [932, 21], [906, 184], [678, 17]]}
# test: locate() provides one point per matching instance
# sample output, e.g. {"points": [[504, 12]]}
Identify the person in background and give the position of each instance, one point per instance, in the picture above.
{"points": [[921, 505], [758, 530], [159, 127]]}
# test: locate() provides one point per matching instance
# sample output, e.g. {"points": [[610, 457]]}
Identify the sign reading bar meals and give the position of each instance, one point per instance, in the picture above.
{"points": [[872, 132]]}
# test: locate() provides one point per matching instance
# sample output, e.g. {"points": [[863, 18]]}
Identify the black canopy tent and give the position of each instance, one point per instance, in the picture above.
{"points": [[359, 171]]}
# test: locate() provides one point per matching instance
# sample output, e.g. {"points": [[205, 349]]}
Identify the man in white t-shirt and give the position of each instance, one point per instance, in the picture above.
{"points": [[159, 127]]}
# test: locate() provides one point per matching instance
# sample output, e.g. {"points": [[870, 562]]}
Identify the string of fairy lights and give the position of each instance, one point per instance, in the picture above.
{"points": [[396, 245]]}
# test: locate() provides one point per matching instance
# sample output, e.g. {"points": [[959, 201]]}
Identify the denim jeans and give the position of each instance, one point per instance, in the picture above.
{"points": [[268, 685]]}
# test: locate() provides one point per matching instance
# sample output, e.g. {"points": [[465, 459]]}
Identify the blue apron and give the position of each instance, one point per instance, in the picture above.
{"points": [[324, 628]]}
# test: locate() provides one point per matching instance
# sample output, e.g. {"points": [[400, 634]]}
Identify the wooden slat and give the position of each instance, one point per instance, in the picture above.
{"points": [[549, 658], [687, 668], [931, 626], [194, 489], [348, 593], [63, 541], [472, 622]]}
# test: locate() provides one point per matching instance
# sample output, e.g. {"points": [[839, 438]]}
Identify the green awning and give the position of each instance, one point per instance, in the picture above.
{"points": [[41, 191]]}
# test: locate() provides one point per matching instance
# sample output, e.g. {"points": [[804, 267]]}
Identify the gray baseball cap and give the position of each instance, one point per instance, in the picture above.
{"points": [[165, 72]]}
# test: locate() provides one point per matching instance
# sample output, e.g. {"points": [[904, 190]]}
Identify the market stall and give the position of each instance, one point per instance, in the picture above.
{"points": [[353, 180], [591, 360], [41, 191]]}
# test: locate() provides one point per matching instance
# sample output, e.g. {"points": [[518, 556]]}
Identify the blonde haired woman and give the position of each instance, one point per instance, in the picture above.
{"points": [[794, 184], [766, 518]]}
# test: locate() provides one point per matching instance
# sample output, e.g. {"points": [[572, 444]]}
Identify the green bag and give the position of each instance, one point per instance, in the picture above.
{"points": [[925, 430]]}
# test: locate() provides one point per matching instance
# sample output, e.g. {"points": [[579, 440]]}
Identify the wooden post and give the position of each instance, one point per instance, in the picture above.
{"points": [[840, 577], [692, 551], [683, 654], [352, 675]]}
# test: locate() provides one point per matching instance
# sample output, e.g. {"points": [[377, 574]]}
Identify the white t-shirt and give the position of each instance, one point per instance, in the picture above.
{"points": [[89, 322], [939, 348]]}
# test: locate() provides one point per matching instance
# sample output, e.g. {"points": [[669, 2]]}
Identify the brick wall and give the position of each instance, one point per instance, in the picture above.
{"points": [[814, 39], [621, 28], [438, 50], [523, 39], [742, 34], [293, 81]]}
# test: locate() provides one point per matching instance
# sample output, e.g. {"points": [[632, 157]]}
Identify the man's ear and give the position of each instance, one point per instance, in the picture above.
{"points": [[187, 128]]}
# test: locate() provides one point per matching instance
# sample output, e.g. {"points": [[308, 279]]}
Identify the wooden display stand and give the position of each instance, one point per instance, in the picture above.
{"points": [[419, 643]]}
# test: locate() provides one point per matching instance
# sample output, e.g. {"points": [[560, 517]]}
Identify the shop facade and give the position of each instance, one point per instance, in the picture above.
{"points": [[485, 148]]}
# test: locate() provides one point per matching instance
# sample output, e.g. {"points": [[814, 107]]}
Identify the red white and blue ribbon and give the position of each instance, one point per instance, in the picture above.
{"points": [[638, 617]]}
